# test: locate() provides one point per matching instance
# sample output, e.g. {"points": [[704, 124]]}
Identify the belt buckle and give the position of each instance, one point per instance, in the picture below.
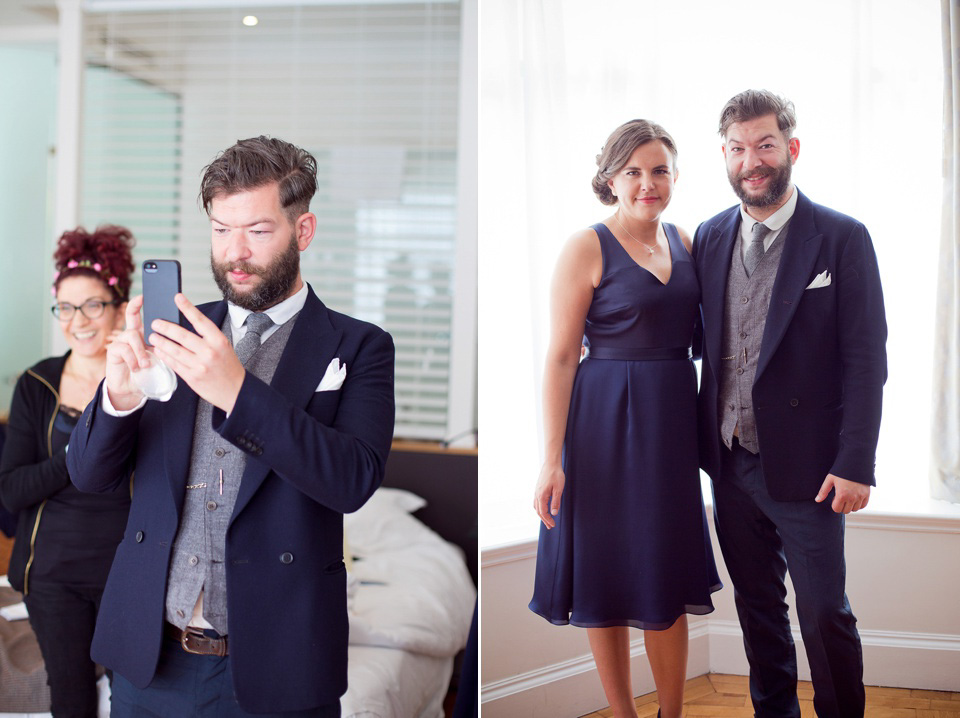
{"points": [[214, 646], [185, 637]]}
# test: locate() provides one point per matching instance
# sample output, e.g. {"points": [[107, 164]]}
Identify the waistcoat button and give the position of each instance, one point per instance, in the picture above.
{"points": [[286, 557], [139, 536]]}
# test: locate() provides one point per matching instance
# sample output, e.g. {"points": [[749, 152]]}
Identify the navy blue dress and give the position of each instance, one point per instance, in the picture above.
{"points": [[631, 546]]}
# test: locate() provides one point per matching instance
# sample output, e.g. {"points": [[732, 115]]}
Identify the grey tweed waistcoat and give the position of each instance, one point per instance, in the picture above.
{"points": [[198, 551], [744, 318]]}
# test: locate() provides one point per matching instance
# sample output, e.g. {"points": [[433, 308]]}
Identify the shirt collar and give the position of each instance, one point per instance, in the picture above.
{"points": [[776, 220], [279, 313]]}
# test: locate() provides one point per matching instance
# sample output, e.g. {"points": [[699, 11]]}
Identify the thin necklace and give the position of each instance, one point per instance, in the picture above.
{"points": [[645, 246]]}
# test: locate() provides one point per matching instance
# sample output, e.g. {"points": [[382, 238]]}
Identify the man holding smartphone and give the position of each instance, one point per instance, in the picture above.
{"points": [[227, 595]]}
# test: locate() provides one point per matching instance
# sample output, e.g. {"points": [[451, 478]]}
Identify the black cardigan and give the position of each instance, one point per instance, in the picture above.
{"points": [[33, 467]]}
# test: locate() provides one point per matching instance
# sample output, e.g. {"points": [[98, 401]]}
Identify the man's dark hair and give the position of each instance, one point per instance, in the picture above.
{"points": [[260, 161], [751, 104]]}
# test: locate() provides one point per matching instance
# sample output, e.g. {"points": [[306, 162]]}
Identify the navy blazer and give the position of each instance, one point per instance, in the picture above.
{"points": [[818, 389], [311, 457]]}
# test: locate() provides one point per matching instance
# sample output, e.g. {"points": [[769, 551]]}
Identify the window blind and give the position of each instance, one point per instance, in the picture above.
{"points": [[370, 89]]}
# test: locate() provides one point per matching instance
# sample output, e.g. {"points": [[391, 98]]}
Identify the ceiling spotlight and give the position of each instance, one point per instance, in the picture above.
{"points": [[250, 20]]}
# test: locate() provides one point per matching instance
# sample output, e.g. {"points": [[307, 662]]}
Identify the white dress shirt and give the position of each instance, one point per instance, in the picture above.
{"points": [[775, 223]]}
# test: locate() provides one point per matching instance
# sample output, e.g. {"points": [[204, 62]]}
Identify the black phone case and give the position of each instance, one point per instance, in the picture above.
{"points": [[161, 281]]}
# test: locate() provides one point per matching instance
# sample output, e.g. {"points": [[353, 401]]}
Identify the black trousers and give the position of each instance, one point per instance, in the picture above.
{"points": [[63, 618], [761, 539]]}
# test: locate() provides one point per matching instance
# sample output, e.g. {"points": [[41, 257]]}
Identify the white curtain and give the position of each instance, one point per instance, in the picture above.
{"points": [[945, 467], [557, 76]]}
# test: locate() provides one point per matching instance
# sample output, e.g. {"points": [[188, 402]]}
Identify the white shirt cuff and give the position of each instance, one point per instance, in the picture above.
{"points": [[108, 407]]}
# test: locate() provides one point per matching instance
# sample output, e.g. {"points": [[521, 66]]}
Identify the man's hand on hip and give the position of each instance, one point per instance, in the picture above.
{"points": [[848, 495]]}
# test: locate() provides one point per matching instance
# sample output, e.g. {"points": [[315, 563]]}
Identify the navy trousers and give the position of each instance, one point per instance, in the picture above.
{"points": [[190, 686], [761, 539]]}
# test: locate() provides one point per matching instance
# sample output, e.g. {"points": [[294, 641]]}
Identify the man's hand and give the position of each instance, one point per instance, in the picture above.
{"points": [[849, 495], [205, 360], [126, 353]]}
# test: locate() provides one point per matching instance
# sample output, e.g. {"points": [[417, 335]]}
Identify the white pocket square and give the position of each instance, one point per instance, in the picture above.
{"points": [[333, 377], [821, 280]]}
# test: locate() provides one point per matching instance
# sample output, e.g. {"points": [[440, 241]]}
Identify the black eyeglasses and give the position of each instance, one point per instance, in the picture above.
{"points": [[91, 309]]}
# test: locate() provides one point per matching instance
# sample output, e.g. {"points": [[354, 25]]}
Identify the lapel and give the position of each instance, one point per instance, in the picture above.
{"points": [[713, 284], [313, 343], [177, 418], [796, 264]]}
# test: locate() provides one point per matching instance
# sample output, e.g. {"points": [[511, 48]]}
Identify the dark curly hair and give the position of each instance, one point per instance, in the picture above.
{"points": [[260, 161], [619, 147], [104, 254]]}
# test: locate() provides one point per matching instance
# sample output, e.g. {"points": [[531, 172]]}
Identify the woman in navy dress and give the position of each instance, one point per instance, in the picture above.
{"points": [[624, 539]]}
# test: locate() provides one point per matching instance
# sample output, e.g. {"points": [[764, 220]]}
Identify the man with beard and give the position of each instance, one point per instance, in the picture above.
{"points": [[227, 595], [794, 364]]}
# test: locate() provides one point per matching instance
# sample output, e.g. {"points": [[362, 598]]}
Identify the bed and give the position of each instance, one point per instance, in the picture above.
{"points": [[411, 555]]}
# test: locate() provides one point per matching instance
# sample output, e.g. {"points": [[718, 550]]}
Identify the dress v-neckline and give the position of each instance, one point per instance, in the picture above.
{"points": [[640, 266]]}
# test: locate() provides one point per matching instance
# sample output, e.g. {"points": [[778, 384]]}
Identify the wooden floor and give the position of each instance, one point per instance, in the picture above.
{"points": [[719, 695]]}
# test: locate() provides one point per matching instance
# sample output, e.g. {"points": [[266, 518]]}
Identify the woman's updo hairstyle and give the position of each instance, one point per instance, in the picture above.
{"points": [[620, 145], [104, 254]]}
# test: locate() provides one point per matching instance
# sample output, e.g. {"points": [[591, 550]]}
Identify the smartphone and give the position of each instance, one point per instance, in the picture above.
{"points": [[161, 281]]}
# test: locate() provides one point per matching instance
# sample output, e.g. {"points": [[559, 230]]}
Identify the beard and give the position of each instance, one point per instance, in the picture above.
{"points": [[277, 279], [779, 182]]}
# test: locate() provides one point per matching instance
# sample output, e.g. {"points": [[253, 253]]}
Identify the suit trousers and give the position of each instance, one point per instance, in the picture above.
{"points": [[63, 618], [187, 685], [761, 539]]}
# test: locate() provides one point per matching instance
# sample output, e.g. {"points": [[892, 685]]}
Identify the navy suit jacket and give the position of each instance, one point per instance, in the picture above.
{"points": [[818, 389], [311, 457]]}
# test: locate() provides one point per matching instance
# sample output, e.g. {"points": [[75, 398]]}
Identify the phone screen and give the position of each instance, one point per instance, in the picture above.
{"points": [[161, 281]]}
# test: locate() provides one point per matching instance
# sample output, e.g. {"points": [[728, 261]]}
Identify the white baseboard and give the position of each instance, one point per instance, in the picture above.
{"points": [[572, 688], [890, 658]]}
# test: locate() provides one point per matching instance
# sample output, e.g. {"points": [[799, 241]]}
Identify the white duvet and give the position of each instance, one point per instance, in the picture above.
{"points": [[410, 604], [409, 588]]}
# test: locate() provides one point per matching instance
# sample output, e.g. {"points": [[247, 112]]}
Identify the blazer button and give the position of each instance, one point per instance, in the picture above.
{"points": [[794, 402], [139, 536], [286, 557]]}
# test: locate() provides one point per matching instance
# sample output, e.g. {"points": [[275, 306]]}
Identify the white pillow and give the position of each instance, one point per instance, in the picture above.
{"points": [[412, 589], [401, 498]]}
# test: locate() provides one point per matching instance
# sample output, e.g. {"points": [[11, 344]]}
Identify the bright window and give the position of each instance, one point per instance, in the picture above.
{"points": [[370, 89], [558, 77]]}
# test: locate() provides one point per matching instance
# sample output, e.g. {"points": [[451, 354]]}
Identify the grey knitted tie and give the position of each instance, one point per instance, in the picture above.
{"points": [[755, 251], [257, 324]]}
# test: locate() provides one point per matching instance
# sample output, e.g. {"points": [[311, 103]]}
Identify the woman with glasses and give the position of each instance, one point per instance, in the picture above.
{"points": [[65, 539]]}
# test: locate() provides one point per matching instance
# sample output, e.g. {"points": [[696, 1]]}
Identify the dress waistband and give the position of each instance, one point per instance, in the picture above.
{"points": [[639, 353]]}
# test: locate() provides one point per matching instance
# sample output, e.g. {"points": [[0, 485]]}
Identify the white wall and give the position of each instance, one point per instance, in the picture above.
{"points": [[29, 91], [903, 581]]}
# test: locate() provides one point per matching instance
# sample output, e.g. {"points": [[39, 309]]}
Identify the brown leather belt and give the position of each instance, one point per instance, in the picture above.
{"points": [[193, 640]]}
